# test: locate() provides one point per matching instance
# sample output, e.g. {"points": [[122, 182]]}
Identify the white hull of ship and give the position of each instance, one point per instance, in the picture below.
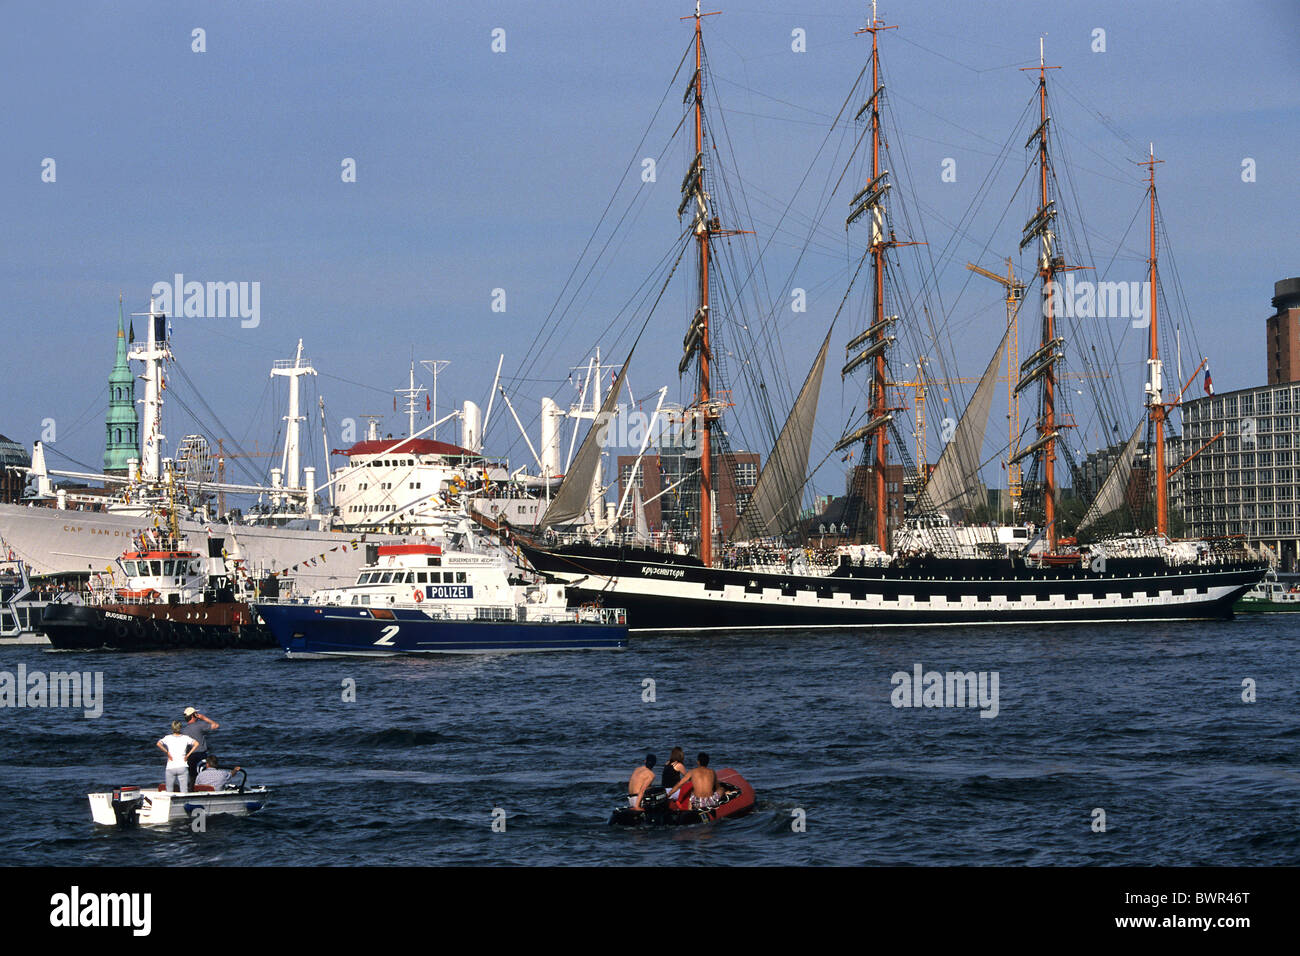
{"points": [[53, 541]]}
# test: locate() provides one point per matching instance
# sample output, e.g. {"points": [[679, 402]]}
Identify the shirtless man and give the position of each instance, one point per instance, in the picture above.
{"points": [[641, 778], [704, 784]]}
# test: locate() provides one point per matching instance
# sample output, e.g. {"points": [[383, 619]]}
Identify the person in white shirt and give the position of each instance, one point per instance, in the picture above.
{"points": [[178, 747]]}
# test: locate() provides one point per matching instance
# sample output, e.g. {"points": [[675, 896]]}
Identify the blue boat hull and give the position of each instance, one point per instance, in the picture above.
{"points": [[306, 629]]}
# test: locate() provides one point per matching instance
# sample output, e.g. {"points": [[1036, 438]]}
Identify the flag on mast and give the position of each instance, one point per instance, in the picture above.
{"points": [[1209, 382]]}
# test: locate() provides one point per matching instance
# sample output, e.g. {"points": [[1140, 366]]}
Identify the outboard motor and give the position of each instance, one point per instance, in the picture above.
{"points": [[654, 804], [654, 809], [126, 806]]}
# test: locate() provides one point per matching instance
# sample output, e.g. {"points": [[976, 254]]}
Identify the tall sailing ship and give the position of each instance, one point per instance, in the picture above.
{"points": [[935, 570]]}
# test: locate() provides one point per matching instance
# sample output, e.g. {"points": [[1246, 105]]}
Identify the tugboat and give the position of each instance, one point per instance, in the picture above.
{"points": [[1270, 596], [466, 597], [173, 598], [659, 810]]}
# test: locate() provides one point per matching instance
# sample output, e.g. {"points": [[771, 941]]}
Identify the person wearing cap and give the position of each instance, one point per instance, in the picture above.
{"points": [[199, 733]]}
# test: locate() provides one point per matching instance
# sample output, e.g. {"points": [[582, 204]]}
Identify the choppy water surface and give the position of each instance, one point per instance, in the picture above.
{"points": [[1145, 722]]}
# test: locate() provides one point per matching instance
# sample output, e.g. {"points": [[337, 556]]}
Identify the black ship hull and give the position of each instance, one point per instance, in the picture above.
{"points": [[664, 592], [155, 627]]}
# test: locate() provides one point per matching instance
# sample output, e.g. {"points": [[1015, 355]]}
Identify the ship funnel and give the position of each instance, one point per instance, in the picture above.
{"points": [[550, 452], [40, 472], [309, 475], [471, 427]]}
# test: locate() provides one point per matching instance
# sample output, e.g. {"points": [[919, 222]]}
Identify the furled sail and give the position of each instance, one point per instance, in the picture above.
{"points": [[774, 507], [642, 527], [955, 482], [1111, 495], [574, 496]]}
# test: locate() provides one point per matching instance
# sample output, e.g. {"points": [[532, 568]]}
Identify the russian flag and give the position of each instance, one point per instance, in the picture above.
{"points": [[1209, 382]]}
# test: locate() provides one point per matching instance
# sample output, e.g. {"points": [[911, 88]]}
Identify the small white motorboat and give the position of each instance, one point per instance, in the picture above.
{"points": [[128, 806]]}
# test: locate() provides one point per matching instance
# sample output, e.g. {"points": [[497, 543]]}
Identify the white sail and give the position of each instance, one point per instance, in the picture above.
{"points": [[955, 481], [1111, 494], [774, 507], [573, 499], [642, 527]]}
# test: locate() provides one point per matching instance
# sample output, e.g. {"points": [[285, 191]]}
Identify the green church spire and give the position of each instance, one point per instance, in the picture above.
{"points": [[122, 426]]}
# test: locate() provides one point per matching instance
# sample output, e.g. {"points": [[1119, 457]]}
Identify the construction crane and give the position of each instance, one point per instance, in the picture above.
{"points": [[222, 455], [1015, 294], [919, 406]]}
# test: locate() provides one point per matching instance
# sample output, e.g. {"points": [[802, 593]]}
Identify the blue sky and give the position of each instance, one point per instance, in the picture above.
{"points": [[479, 170]]}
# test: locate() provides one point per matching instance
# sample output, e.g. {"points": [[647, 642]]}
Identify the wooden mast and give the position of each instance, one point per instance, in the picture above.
{"points": [[879, 243], [1047, 268], [703, 229], [1155, 403]]}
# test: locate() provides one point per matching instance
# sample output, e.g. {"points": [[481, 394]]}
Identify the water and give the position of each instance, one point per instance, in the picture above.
{"points": [[1145, 722]]}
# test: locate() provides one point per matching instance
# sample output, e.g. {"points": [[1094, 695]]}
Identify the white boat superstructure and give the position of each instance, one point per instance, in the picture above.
{"points": [[391, 484], [128, 806], [20, 605], [464, 576]]}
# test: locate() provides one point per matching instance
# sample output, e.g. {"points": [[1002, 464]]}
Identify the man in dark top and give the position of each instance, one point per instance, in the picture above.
{"points": [[199, 732], [674, 769]]}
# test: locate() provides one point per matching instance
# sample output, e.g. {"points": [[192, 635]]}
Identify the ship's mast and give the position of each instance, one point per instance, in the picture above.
{"points": [[153, 354], [1155, 403], [704, 226], [411, 393], [1041, 226], [292, 369], [879, 243]]}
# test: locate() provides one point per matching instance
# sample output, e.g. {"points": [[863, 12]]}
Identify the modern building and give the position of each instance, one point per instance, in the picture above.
{"points": [[670, 495], [1094, 469], [12, 456], [1284, 333], [859, 510], [1242, 480], [122, 427]]}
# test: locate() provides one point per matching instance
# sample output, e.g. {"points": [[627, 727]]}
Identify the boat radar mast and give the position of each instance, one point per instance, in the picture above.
{"points": [[292, 369], [153, 353]]}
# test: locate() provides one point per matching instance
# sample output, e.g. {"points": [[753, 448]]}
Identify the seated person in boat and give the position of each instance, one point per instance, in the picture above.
{"points": [[641, 778], [674, 769], [704, 785], [213, 776]]}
